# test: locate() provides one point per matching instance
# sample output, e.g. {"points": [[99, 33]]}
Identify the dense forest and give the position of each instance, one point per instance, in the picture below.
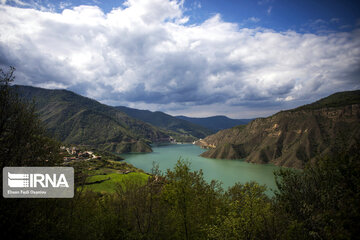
{"points": [[320, 202]]}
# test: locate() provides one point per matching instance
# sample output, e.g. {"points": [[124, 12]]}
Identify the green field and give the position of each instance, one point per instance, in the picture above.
{"points": [[112, 180]]}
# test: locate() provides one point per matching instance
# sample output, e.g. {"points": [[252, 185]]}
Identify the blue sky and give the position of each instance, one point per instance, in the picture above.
{"points": [[243, 59], [305, 15], [284, 14]]}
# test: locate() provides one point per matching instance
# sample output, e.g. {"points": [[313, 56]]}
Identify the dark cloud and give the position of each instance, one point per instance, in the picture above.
{"points": [[142, 55]]}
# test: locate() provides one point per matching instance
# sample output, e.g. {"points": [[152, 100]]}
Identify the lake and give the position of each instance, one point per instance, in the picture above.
{"points": [[227, 171]]}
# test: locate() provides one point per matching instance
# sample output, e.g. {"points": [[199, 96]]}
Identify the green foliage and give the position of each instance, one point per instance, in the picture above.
{"points": [[339, 99], [23, 141], [320, 202], [245, 215], [108, 182], [239, 127], [323, 201], [74, 119], [216, 123], [191, 201], [180, 129]]}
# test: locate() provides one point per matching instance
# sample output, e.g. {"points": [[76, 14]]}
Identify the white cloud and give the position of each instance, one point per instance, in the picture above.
{"points": [[253, 19], [143, 54], [335, 20], [18, 2], [268, 11], [262, 2], [63, 5]]}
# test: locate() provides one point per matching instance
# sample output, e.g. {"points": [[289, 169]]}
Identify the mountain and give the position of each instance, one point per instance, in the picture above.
{"points": [[178, 127], [216, 123], [75, 119], [294, 137]]}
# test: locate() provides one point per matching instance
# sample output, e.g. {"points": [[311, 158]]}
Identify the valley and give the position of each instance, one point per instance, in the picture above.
{"points": [[180, 120], [290, 138], [181, 181]]}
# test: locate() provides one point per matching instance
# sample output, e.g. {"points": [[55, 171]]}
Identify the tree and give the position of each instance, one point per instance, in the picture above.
{"points": [[245, 215], [139, 209], [191, 201], [23, 140], [323, 201]]}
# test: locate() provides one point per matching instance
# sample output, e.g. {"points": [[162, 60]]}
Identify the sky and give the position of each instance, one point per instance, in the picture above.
{"points": [[242, 59]]}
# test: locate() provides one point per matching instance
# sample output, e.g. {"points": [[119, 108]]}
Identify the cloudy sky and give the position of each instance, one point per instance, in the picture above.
{"points": [[243, 59]]}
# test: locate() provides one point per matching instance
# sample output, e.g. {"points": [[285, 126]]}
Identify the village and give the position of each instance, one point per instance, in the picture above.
{"points": [[75, 154]]}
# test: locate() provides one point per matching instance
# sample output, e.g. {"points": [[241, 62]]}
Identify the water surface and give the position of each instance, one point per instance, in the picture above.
{"points": [[227, 171]]}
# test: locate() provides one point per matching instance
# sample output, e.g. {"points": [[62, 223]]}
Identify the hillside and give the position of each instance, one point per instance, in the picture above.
{"points": [[294, 137], [216, 123], [179, 127], [74, 119]]}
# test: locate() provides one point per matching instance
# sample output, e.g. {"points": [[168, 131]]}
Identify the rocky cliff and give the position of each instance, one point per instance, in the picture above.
{"points": [[293, 138]]}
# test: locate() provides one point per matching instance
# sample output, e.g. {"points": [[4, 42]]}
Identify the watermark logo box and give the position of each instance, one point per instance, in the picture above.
{"points": [[38, 182]]}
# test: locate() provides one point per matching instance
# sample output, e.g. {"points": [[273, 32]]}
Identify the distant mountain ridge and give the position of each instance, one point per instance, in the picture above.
{"points": [[183, 130], [294, 137], [75, 119], [216, 123]]}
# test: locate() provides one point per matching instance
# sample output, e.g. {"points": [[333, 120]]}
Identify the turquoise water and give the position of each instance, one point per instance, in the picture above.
{"points": [[226, 171]]}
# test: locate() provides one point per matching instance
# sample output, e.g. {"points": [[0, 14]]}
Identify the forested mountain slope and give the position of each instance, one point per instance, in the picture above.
{"points": [[168, 122], [216, 123], [75, 119]]}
